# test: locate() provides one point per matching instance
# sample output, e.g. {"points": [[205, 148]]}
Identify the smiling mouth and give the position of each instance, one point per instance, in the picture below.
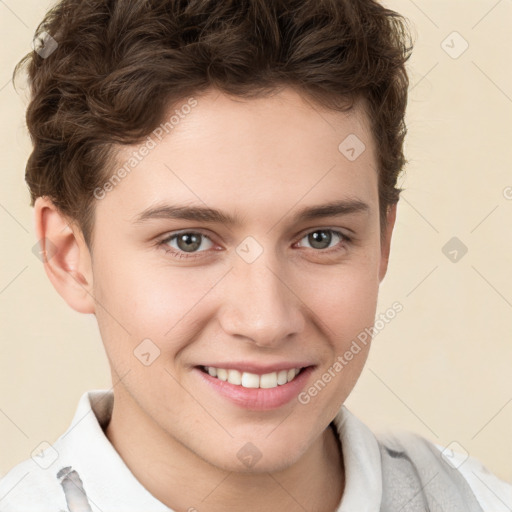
{"points": [[253, 380]]}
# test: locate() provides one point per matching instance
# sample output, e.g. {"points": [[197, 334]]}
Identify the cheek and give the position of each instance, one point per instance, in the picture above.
{"points": [[149, 295], [150, 301], [344, 299], [346, 308]]}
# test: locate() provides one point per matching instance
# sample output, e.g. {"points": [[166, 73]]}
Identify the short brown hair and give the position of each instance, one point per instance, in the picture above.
{"points": [[119, 64]]}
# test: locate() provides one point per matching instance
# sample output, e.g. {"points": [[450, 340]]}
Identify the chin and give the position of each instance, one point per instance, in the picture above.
{"points": [[256, 456]]}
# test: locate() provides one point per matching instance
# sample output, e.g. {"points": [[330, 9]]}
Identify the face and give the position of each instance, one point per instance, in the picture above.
{"points": [[271, 290]]}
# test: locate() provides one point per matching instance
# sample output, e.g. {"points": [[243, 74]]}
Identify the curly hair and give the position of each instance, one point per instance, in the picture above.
{"points": [[116, 65]]}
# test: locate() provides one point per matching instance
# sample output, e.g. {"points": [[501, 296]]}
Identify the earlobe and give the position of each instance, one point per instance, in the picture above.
{"points": [[386, 242], [65, 256]]}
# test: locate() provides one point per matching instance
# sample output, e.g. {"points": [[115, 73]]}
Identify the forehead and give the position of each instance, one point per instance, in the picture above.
{"points": [[249, 155]]}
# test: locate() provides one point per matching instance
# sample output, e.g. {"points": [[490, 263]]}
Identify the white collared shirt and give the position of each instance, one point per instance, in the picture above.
{"points": [[33, 485]]}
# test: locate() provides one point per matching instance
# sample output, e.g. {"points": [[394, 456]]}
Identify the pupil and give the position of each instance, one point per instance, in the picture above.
{"points": [[317, 240], [190, 241]]}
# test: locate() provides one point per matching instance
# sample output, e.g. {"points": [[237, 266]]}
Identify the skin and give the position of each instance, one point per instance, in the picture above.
{"points": [[262, 159]]}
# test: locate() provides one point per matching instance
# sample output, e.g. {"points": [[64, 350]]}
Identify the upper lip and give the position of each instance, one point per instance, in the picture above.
{"points": [[258, 369]]}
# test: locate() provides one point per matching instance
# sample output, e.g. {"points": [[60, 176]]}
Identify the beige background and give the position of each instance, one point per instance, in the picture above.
{"points": [[441, 368]]}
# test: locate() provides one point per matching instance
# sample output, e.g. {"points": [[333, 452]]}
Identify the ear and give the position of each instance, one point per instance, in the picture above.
{"points": [[66, 257], [386, 241]]}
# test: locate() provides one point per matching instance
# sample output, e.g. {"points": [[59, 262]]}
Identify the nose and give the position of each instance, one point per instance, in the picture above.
{"points": [[259, 303]]}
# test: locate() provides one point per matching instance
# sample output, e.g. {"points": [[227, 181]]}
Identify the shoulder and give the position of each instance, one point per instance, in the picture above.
{"points": [[492, 493], [37, 483], [30, 487]]}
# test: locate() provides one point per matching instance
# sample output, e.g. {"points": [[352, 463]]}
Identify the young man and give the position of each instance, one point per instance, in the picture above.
{"points": [[216, 182]]}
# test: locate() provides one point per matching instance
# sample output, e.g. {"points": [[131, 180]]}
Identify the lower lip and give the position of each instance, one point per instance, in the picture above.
{"points": [[258, 399]]}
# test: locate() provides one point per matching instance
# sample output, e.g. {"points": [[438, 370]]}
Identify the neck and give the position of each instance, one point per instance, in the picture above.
{"points": [[181, 480]]}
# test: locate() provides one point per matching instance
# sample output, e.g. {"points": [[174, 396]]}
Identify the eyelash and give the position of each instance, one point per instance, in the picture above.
{"points": [[346, 240]]}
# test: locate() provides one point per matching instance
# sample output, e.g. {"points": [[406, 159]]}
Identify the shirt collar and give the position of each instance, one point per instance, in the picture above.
{"points": [[95, 459], [361, 459], [107, 481]]}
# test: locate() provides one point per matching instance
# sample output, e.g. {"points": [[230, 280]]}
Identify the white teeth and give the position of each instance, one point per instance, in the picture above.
{"points": [[252, 380], [234, 377], [269, 380], [282, 377], [222, 374]]}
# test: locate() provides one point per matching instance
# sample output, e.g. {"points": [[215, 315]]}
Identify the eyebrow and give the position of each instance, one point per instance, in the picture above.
{"points": [[212, 215]]}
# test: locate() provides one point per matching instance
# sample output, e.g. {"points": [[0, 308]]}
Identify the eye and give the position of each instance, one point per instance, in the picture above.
{"points": [[186, 243], [322, 238]]}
